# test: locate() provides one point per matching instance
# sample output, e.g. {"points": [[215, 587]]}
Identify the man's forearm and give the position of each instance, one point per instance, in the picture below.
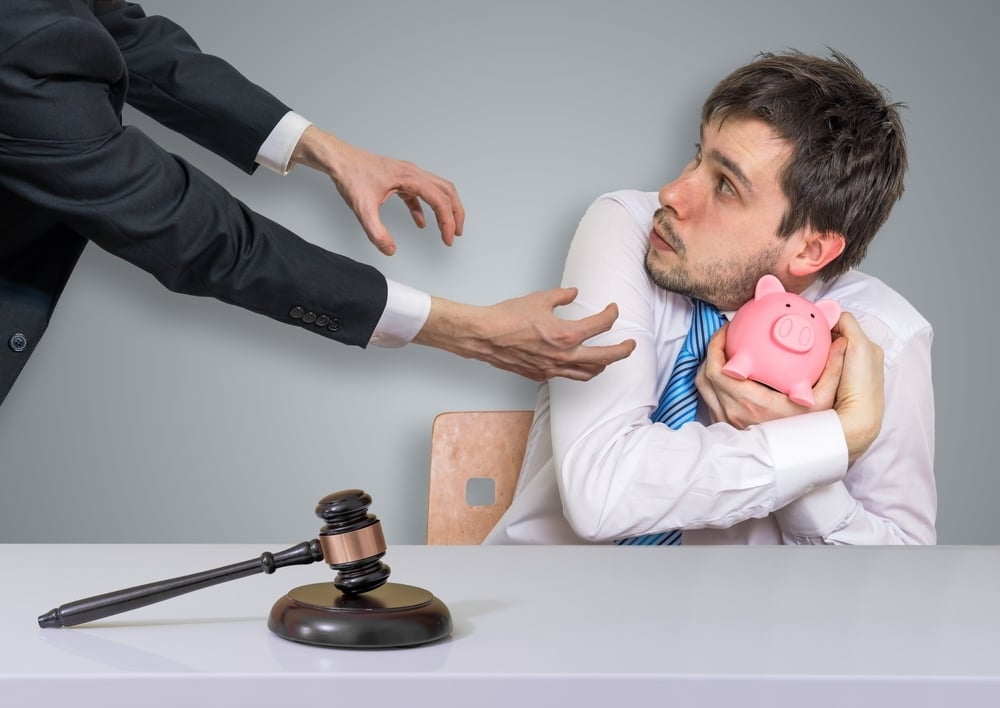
{"points": [[524, 336], [453, 327]]}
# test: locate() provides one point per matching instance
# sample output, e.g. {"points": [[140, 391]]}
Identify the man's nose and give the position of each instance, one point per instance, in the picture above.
{"points": [[677, 196]]}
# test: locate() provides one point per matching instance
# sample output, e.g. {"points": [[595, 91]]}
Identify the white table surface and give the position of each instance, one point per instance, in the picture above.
{"points": [[574, 626]]}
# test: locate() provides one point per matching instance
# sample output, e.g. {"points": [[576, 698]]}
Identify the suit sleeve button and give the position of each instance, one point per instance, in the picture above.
{"points": [[309, 317], [296, 313], [18, 342], [336, 324], [322, 321]]}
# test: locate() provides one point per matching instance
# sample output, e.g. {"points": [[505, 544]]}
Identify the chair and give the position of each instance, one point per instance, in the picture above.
{"points": [[473, 452]]}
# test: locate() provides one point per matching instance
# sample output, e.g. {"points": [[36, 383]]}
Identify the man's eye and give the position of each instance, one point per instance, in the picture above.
{"points": [[726, 188]]}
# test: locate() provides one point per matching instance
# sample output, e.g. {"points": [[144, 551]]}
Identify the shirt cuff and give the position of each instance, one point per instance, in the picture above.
{"points": [[809, 451], [406, 311], [276, 151], [818, 513]]}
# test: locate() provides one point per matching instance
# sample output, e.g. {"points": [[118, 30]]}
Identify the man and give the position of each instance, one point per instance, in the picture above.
{"points": [[800, 162], [70, 172]]}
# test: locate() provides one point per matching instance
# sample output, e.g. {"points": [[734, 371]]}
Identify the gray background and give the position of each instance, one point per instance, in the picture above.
{"points": [[147, 416]]}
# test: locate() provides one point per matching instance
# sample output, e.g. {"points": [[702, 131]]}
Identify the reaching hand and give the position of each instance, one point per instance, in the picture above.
{"points": [[366, 181], [523, 335]]}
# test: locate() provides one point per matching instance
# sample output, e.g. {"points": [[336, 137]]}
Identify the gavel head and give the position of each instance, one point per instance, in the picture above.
{"points": [[352, 541]]}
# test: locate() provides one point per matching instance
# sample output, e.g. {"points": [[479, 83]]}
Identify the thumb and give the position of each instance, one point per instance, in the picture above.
{"points": [[825, 390], [562, 296], [376, 231]]}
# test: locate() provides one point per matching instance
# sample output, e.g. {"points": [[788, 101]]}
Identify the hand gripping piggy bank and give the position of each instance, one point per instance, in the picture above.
{"points": [[780, 339]]}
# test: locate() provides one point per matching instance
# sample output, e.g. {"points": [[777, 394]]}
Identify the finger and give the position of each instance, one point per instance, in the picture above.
{"points": [[581, 372], [439, 202], [559, 296], [457, 208], [577, 373], [715, 352], [709, 397], [589, 361], [604, 355], [415, 208], [450, 195], [847, 326], [825, 390], [595, 324], [371, 222]]}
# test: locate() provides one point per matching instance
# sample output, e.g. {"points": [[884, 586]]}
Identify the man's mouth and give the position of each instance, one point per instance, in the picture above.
{"points": [[662, 238]]}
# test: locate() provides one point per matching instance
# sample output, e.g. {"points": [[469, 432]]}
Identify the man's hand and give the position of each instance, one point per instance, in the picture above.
{"points": [[523, 335], [366, 181], [860, 400], [746, 403], [852, 383]]}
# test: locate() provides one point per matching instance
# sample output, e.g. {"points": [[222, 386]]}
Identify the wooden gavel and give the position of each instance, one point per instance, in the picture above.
{"points": [[351, 542]]}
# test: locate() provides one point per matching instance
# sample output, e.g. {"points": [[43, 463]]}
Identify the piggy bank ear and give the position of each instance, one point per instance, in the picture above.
{"points": [[766, 285], [830, 310]]}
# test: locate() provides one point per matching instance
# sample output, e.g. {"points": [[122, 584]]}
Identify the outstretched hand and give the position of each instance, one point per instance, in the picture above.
{"points": [[365, 181], [524, 336]]}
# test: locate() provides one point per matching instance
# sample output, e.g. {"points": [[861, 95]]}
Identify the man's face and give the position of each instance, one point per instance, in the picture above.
{"points": [[715, 233]]}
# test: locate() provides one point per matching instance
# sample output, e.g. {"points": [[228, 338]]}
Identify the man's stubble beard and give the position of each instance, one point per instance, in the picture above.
{"points": [[726, 284]]}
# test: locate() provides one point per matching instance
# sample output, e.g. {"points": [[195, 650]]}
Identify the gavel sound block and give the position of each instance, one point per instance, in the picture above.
{"points": [[359, 609]]}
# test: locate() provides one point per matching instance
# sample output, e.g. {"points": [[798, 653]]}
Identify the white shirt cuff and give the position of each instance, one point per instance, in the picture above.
{"points": [[809, 452], [406, 311], [817, 514], [276, 151]]}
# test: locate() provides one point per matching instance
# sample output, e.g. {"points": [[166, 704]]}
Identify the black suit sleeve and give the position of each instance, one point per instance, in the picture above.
{"points": [[198, 95], [63, 149]]}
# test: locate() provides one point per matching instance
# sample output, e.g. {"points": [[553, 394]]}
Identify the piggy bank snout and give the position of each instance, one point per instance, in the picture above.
{"points": [[795, 333]]}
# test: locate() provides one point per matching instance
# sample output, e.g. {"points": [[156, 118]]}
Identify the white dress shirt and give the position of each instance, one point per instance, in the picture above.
{"points": [[406, 309], [596, 468]]}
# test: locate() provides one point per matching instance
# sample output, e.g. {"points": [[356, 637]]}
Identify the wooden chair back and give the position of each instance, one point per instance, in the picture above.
{"points": [[473, 453]]}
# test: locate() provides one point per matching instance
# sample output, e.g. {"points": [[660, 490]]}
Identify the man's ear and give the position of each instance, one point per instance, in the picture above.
{"points": [[815, 250]]}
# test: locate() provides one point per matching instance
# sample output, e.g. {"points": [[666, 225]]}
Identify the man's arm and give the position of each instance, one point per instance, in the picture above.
{"points": [[199, 95], [122, 191], [65, 152], [206, 99], [524, 336], [852, 384], [887, 413]]}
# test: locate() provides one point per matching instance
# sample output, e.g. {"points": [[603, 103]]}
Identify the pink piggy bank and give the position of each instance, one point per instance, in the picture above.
{"points": [[781, 340]]}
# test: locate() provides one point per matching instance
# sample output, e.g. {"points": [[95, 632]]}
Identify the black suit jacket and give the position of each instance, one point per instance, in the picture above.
{"points": [[70, 172]]}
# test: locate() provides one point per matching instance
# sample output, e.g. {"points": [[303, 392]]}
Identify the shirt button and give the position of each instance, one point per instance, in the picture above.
{"points": [[336, 324], [296, 313], [18, 342]]}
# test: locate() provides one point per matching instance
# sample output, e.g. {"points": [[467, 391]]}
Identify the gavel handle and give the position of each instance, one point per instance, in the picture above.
{"points": [[112, 603]]}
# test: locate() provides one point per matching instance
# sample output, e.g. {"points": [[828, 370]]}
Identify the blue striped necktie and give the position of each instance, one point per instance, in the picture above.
{"points": [[679, 402]]}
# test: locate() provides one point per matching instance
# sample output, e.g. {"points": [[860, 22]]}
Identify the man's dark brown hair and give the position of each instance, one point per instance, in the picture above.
{"points": [[848, 144]]}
